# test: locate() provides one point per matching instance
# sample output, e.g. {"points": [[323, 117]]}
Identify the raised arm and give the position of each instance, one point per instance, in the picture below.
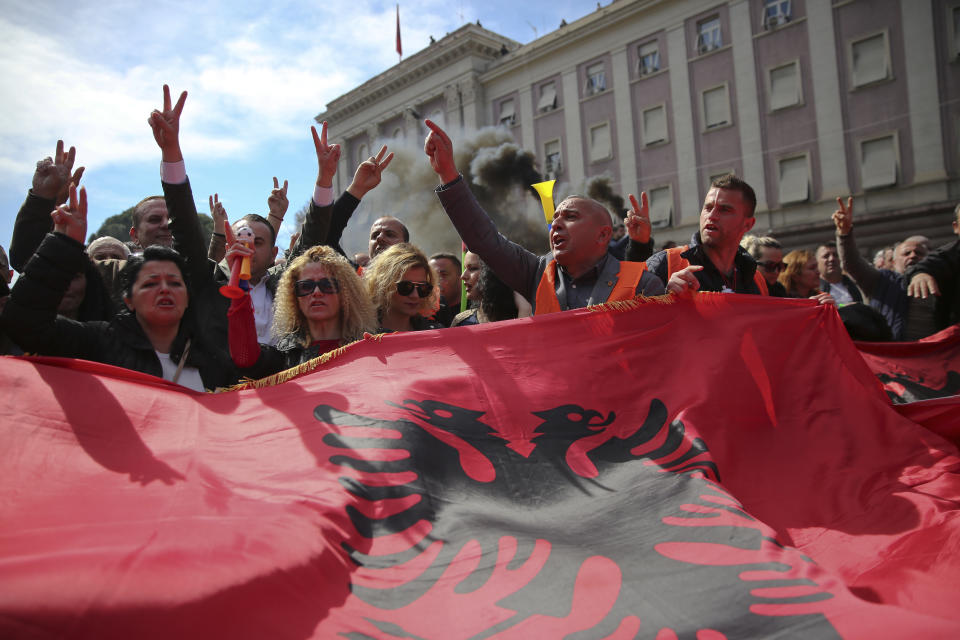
{"points": [[277, 204], [184, 220], [863, 273], [637, 223], [515, 265], [51, 180], [218, 241], [30, 315]]}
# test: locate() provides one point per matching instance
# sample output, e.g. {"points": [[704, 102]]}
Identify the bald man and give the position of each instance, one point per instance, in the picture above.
{"points": [[576, 273]]}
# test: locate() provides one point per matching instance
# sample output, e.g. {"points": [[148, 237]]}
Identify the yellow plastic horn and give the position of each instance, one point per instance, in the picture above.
{"points": [[545, 189]]}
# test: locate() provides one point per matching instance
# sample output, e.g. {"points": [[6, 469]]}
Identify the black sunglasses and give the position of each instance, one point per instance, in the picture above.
{"points": [[406, 287], [306, 287], [770, 265]]}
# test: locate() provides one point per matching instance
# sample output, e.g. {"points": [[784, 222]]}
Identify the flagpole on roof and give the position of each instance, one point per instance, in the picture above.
{"points": [[399, 47]]}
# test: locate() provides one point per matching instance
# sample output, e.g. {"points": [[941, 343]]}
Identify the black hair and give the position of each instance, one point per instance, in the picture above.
{"points": [[153, 253], [97, 303], [865, 323], [733, 183], [448, 256], [496, 298], [253, 217]]}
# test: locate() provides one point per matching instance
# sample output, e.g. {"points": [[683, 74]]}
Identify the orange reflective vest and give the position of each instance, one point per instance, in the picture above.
{"points": [[676, 262], [628, 278]]}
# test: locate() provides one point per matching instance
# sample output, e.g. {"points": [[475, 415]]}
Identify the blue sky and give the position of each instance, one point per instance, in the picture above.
{"points": [[257, 73]]}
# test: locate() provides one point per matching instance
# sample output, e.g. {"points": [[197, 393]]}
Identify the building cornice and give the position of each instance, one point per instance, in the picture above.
{"points": [[469, 41]]}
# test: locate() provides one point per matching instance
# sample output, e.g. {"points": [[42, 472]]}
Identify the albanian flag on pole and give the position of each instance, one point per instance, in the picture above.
{"points": [[723, 466]]}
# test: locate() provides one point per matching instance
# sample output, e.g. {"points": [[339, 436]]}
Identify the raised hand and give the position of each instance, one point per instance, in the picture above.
{"points": [[637, 221], [277, 203], [369, 173], [439, 149], [685, 280], [52, 178], [71, 219], [166, 126], [217, 212], [843, 216], [327, 156]]}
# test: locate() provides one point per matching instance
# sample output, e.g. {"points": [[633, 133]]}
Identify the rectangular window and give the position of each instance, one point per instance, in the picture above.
{"points": [[716, 107], [654, 125], [648, 59], [878, 162], [869, 59], [661, 207], [596, 79], [708, 35], [775, 13], [794, 180], [508, 116], [785, 86], [600, 146], [552, 165], [548, 97]]}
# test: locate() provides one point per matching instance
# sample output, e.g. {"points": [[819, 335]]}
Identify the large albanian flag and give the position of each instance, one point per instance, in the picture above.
{"points": [[718, 467]]}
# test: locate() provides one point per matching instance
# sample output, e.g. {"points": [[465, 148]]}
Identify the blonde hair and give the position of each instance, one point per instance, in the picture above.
{"points": [[356, 312], [796, 260], [383, 273]]}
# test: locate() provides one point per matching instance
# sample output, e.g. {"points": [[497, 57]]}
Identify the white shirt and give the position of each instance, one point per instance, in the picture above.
{"points": [[840, 293], [262, 301], [189, 377]]}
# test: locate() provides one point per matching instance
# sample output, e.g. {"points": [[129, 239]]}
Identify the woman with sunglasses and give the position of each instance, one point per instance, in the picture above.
{"points": [[402, 287], [320, 305], [768, 253]]}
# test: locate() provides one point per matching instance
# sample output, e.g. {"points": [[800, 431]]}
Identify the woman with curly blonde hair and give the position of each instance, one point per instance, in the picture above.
{"points": [[402, 286], [320, 304]]}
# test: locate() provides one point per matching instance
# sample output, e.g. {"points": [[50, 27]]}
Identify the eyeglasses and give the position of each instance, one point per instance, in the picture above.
{"points": [[306, 287], [770, 265], [406, 287]]}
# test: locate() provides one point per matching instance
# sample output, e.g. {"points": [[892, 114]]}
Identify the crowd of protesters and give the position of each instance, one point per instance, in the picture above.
{"points": [[205, 315]]}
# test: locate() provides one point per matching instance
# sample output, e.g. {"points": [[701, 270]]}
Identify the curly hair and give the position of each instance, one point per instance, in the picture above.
{"points": [[356, 312], [796, 260], [383, 273]]}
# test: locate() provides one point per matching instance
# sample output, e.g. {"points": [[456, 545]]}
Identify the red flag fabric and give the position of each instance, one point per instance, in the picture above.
{"points": [[920, 370], [399, 48], [665, 469]]}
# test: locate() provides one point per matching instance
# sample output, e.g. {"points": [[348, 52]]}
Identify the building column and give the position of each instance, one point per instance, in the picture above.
{"points": [[626, 143], [683, 127], [748, 113], [525, 109], [573, 135], [926, 130], [826, 92]]}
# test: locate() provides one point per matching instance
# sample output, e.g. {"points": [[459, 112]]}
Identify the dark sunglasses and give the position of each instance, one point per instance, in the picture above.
{"points": [[770, 265], [406, 287], [306, 287]]}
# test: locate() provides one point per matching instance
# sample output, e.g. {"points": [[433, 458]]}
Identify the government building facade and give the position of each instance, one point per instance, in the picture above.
{"points": [[807, 100]]}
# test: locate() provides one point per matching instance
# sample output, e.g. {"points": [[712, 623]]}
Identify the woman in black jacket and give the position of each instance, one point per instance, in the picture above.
{"points": [[155, 334]]}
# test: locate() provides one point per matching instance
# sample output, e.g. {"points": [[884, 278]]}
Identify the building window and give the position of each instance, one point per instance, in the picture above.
{"points": [[878, 162], [508, 116], [716, 107], [785, 86], [596, 79], [869, 59], [600, 146], [775, 13], [548, 97], [552, 165], [794, 180], [648, 59], [654, 125], [362, 153], [661, 207], [708, 35]]}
